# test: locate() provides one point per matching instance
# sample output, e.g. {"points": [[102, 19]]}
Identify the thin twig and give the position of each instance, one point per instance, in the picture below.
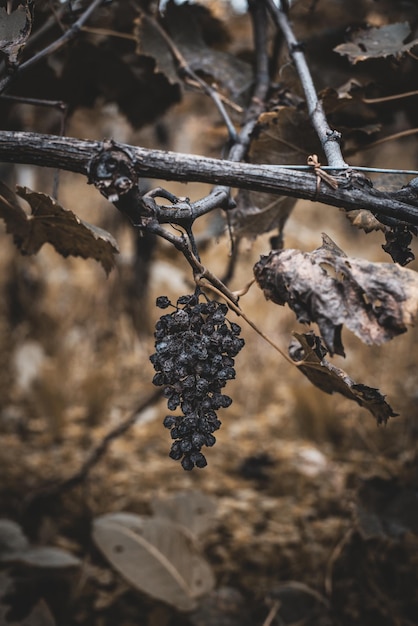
{"points": [[271, 616], [378, 142], [330, 139], [396, 96], [95, 455], [335, 554]]}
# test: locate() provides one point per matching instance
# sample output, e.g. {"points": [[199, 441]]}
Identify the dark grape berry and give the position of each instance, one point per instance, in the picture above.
{"points": [[195, 346]]}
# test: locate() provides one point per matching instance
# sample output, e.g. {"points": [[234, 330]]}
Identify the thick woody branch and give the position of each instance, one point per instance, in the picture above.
{"points": [[75, 155]]}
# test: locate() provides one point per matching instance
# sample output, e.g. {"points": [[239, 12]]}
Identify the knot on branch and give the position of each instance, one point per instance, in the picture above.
{"points": [[112, 171], [334, 135]]}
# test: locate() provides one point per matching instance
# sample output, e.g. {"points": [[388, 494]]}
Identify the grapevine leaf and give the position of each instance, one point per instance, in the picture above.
{"points": [[282, 137], [14, 31], [156, 556], [308, 349], [257, 213], [378, 42], [364, 220], [397, 244], [185, 28], [376, 301], [52, 223]]}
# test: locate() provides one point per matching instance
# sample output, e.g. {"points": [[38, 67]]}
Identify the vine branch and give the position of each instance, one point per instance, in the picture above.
{"points": [[75, 155], [329, 138]]}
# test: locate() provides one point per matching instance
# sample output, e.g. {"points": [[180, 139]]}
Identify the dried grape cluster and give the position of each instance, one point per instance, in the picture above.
{"points": [[195, 348]]}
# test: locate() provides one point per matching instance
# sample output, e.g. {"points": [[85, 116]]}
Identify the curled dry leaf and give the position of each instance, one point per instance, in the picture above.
{"points": [[379, 42], [376, 301], [15, 29], [15, 548], [308, 350], [364, 220], [156, 556], [52, 223]]}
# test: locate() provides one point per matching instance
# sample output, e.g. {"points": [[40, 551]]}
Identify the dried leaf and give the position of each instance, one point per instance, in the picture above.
{"points": [[14, 31], [12, 538], [224, 606], [379, 42], [39, 616], [308, 349], [397, 243], [376, 301], [52, 223], [231, 73], [43, 557], [192, 509], [386, 509], [364, 220], [282, 137], [257, 213], [156, 556]]}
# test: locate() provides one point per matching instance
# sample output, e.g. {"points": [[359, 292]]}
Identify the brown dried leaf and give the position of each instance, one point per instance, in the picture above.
{"points": [[364, 220], [282, 137], [258, 213], [309, 350], [379, 42], [52, 223], [231, 73], [376, 301], [14, 30]]}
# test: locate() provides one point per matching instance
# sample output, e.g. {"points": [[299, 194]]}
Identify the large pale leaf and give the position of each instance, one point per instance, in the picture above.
{"points": [[192, 509], [156, 556], [52, 223]]}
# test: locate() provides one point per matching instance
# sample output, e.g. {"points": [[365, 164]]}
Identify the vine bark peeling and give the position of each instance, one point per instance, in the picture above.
{"points": [[75, 155]]}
